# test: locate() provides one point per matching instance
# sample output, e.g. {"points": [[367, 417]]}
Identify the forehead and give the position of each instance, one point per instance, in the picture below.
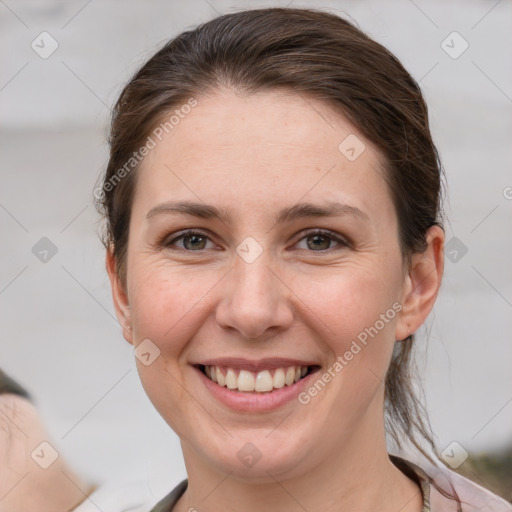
{"points": [[275, 146]]}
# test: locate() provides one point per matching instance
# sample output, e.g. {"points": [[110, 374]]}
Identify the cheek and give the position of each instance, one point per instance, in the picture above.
{"points": [[167, 302], [343, 302], [353, 313], [166, 308]]}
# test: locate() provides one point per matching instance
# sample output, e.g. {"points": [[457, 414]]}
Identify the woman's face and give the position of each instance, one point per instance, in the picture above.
{"points": [[303, 269]]}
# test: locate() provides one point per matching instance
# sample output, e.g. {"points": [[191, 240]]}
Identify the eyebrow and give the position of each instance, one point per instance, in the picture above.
{"points": [[298, 211]]}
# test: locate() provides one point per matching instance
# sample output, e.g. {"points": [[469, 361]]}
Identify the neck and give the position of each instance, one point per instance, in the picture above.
{"points": [[359, 476]]}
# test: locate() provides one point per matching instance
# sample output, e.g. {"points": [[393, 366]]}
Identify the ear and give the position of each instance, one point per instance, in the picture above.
{"points": [[119, 297], [421, 284]]}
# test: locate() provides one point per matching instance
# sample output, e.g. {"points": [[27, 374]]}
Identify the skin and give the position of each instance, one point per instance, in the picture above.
{"points": [[254, 155], [24, 484]]}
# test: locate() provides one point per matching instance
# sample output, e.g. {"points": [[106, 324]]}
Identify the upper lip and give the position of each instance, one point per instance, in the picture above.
{"points": [[255, 364]]}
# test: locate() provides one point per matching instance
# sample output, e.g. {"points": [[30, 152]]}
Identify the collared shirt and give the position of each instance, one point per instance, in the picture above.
{"points": [[433, 488]]}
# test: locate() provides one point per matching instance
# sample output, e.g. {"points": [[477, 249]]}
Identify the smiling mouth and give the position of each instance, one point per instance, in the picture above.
{"points": [[264, 381]]}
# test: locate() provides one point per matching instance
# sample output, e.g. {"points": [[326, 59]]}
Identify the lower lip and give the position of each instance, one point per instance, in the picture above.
{"points": [[255, 402]]}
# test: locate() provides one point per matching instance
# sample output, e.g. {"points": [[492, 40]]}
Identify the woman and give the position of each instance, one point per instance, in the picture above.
{"points": [[274, 240]]}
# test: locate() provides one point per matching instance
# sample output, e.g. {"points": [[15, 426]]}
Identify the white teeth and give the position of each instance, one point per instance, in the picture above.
{"points": [[231, 379], [245, 381], [262, 382], [279, 378], [290, 376], [221, 380]]}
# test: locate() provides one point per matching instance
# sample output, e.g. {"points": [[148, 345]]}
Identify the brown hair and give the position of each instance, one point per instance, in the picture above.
{"points": [[319, 55]]}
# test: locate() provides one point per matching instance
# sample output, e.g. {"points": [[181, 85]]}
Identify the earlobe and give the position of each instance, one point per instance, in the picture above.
{"points": [[119, 297], [421, 284]]}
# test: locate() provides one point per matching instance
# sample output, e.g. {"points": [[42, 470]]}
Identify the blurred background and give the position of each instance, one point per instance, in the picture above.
{"points": [[63, 64]]}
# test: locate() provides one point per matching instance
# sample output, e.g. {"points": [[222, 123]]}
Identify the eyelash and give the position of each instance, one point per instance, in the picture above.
{"points": [[307, 233]]}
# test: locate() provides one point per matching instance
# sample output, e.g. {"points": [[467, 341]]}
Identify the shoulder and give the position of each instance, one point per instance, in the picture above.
{"points": [[445, 483], [473, 497]]}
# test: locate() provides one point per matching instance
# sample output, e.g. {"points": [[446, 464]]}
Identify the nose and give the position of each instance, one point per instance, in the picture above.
{"points": [[256, 302]]}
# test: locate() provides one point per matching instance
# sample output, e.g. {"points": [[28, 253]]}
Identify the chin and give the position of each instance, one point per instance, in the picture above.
{"points": [[256, 458]]}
